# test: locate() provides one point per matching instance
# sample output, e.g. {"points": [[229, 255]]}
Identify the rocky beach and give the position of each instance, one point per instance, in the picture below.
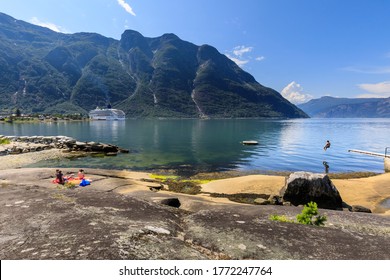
{"points": [[25, 150], [133, 215], [14, 145]]}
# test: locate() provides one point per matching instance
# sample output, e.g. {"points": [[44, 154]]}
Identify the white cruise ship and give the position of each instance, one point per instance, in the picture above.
{"points": [[107, 114]]}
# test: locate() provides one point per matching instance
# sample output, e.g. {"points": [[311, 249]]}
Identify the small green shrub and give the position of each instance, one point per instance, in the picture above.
{"points": [[4, 141], [282, 218], [309, 212]]}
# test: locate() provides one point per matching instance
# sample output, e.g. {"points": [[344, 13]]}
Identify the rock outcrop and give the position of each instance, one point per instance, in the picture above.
{"points": [[303, 187], [26, 144], [359, 208]]}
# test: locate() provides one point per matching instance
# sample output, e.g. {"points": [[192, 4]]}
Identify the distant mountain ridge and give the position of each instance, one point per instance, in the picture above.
{"points": [[42, 71], [331, 107]]}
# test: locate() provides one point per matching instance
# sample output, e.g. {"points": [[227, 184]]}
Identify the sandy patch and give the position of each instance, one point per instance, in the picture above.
{"points": [[368, 192], [260, 184]]}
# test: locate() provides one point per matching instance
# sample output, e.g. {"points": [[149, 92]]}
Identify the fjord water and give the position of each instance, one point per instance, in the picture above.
{"points": [[214, 145]]}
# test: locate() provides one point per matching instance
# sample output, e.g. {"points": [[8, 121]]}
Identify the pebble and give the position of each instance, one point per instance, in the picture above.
{"points": [[27, 250], [158, 230]]}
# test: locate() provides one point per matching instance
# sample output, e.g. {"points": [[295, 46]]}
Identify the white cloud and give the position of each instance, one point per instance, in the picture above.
{"points": [[238, 61], [241, 50], [381, 89], [126, 6], [241, 55], [293, 92], [49, 25]]}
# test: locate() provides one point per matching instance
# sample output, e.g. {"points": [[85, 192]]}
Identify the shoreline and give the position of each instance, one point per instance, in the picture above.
{"points": [[24, 159], [367, 190]]}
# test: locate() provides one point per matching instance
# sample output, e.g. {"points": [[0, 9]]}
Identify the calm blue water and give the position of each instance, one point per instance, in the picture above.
{"points": [[212, 145]]}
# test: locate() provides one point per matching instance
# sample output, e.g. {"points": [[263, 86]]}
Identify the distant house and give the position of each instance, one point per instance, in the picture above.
{"points": [[3, 116]]}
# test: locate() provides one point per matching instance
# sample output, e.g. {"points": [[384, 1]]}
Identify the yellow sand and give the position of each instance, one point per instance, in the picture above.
{"points": [[368, 192], [261, 184]]}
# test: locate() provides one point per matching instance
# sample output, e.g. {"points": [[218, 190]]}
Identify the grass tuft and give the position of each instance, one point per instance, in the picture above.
{"points": [[4, 141]]}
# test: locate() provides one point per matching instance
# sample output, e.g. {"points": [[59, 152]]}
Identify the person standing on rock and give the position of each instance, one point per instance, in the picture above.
{"points": [[326, 165]]}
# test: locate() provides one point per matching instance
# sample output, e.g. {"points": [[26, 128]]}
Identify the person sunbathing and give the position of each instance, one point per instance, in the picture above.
{"points": [[81, 174]]}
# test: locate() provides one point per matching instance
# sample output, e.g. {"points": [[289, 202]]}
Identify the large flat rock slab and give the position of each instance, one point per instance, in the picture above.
{"points": [[118, 217], [246, 232], [38, 223]]}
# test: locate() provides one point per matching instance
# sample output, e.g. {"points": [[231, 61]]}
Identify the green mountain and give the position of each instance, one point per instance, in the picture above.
{"points": [[331, 107], [42, 71]]}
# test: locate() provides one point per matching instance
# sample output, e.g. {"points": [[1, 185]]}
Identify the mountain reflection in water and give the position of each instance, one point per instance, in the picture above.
{"points": [[214, 145]]}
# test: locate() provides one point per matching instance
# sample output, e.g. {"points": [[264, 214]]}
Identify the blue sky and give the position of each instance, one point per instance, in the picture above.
{"points": [[301, 48]]}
